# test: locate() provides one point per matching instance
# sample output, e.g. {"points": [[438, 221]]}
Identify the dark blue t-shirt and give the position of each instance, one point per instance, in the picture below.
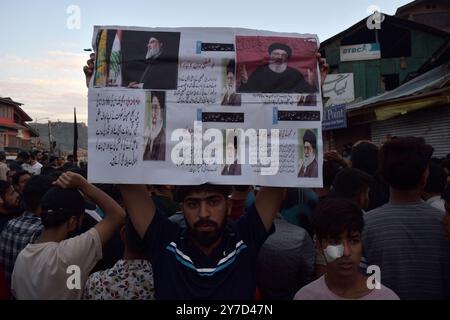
{"points": [[182, 271]]}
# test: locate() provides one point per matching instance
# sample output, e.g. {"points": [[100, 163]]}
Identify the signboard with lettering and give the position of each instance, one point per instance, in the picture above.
{"points": [[194, 105], [367, 51], [339, 88], [334, 117]]}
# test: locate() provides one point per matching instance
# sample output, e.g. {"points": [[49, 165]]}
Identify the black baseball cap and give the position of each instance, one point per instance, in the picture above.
{"points": [[58, 201]]}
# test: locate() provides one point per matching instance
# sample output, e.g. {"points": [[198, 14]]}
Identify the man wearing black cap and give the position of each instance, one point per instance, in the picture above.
{"points": [[56, 266], [308, 166], [276, 76]]}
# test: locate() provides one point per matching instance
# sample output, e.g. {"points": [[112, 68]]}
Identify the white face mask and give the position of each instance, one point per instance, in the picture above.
{"points": [[333, 252]]}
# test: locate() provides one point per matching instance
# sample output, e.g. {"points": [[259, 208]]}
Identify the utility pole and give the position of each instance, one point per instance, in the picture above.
{"points": [[50, 136]]}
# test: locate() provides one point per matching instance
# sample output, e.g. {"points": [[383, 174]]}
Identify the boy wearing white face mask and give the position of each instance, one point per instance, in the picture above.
{"points": [[338, 225]]}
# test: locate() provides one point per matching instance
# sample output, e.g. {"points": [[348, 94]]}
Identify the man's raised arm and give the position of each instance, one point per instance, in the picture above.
{"points": [[140, 206], [268, 203]]}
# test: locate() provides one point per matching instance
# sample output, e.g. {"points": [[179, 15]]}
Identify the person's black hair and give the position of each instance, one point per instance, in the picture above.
{"points": [[34, 154], [335, 216], [182, 191], [34, 190], [364, 156], [403, 162], [111, 190], [54, 175], [24, 155], [446, 194], [4, 186], [437, 179], [350, 182], [231, 66], [2, 156], [75, 169], [14, 166], [46, 171], [17, 175], [53, 158], [330, 170], [68, 166], [241, 187]]}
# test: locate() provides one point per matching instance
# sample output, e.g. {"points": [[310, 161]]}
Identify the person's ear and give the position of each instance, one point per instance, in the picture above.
{"points": [[72, 223], [122, 233], [318, 245], [424, 178], [229, 204]]}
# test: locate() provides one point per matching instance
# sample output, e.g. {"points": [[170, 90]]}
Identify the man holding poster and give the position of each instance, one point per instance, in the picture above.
{"points": [[210, 258]]}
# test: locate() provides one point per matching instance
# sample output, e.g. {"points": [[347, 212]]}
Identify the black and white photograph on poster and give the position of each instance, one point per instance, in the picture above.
{"points": [[307, 164], [230, 97], [155, 134], [137, 59], [231, 148]]}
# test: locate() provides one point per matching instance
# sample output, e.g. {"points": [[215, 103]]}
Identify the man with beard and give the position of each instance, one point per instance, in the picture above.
{"points": [[24, 229], [19, 180], [230, 97], [10, 207], [276, 76], [212, 258], [43, 269], [156, 137], [308, 166], [157, 74]]}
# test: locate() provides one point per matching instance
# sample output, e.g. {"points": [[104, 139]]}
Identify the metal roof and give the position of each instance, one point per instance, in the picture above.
{"points": [[436, 78]]}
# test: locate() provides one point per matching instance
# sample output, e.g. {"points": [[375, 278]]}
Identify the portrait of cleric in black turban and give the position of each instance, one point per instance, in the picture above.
{"points": [[150, 60], [277, 67], [307, 163]]}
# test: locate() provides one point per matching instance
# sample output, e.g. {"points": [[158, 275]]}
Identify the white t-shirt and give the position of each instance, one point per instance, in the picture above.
{"points": [[318, 290], [27, 167], [36, 168], [437, 202], [40, 271]]}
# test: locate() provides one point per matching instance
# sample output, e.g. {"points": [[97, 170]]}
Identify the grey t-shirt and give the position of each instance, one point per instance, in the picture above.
{"points": [[407, 242], [286, 262]]}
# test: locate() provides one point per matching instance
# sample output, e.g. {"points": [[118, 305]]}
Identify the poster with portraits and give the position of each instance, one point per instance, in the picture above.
{"points": [[185, 106]]}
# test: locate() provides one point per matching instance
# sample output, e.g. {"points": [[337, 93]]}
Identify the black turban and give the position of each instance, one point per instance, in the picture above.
{"points": [[310, 137], [275, 46]]}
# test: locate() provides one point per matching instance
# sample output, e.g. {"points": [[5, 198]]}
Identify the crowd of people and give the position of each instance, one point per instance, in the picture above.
{"points": [[379, 228], [385, 206]]}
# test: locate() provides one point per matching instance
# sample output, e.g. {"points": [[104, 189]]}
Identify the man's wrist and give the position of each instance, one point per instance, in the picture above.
{"points": [[83, 185]]}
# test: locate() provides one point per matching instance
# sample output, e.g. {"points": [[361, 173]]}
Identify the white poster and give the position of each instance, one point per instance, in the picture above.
{"points": [[339, 89], [188, 106]]}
